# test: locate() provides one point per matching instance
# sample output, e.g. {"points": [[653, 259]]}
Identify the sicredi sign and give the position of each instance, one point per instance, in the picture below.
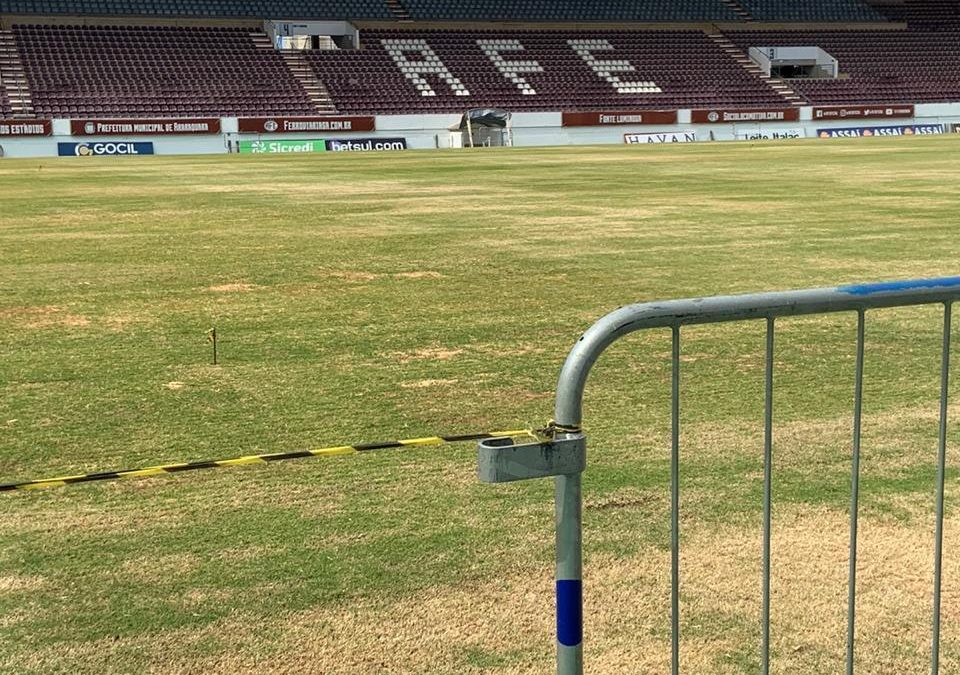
{"points": [[102, 149], [281, 147], [663, 137], [904, 130]]}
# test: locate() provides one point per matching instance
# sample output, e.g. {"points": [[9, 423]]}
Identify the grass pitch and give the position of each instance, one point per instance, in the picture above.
{"points": [[371, 297]]}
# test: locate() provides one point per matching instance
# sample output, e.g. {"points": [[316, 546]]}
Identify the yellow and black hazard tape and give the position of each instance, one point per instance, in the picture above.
{"points": [[261, 459]]}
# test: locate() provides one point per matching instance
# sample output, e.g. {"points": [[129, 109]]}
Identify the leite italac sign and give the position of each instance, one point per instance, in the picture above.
{"points": [[863, 112], [741, 116], [25, 128], [603, 119], [286, 125], [154, 127]]}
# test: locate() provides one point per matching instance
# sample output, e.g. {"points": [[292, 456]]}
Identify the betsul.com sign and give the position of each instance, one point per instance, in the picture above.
{"points": [[366, 144], [104, 149]]}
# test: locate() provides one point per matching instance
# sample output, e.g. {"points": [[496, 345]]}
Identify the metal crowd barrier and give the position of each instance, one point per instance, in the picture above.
{"points": [[565, 456]]}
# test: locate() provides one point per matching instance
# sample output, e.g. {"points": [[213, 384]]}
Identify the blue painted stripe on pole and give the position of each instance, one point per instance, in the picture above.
{"points": [[889, 286], [569, 612]]}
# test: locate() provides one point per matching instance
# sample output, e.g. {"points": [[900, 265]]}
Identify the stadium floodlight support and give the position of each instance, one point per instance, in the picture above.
{"points": [[560, 456]]}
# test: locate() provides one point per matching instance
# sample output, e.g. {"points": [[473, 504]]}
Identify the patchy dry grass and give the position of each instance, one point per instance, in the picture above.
{"points": [[368, 298]]}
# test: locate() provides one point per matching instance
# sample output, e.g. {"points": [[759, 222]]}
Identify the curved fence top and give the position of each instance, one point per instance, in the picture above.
{"points": [[692, 311]]}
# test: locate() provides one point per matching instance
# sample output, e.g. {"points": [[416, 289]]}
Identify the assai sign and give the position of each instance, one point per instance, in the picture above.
{"points": [[95, 149], [902, 130], [281, 147], [663, 137]]}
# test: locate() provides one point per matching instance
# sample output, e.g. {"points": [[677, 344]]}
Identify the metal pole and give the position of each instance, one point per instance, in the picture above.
{"points": [[675, 506], [767, 498], [855, 496], [941, 471], [569, 575]]}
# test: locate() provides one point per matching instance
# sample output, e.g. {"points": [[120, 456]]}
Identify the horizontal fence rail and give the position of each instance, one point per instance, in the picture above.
{"points": [[675, 314]]}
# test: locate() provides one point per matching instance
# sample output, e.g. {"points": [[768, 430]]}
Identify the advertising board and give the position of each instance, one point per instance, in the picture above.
{"points": [[365, 144], [685, 136], [729, 115], [863, 112], [281, 147], [771, 134], [285, 125], [25, 127], [145, 127], [101, 149], [901, 130], [601, 119]]}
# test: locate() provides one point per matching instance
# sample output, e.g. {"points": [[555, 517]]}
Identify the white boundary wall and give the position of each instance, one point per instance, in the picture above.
{"points": [[429, 131]]}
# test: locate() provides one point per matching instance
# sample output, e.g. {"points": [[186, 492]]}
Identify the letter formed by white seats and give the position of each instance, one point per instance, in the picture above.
{"points": [[428, 64], [511, 70], [608, 68]]}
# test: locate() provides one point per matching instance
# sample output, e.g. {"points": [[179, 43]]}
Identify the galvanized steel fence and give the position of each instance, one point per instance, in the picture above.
{"points": [[565, 456]]}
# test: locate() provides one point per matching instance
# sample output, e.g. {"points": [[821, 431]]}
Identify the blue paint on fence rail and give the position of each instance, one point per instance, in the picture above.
{"points": [[569, 612], [890, 286]]}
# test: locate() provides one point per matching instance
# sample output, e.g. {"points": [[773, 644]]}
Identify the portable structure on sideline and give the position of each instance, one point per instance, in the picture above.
{"points": [[565, 456]]}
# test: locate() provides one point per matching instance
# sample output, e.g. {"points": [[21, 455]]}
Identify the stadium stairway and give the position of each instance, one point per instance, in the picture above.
{"points": [[13, 78], [396, 8], [316, 91], [739, 10], [789, 96]]}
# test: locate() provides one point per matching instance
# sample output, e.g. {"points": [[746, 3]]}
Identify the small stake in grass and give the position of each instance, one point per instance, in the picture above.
{"points": [[212, 338]]}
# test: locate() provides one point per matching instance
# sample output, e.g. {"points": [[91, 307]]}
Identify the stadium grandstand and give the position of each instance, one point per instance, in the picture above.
{"points": [[63, 59]]}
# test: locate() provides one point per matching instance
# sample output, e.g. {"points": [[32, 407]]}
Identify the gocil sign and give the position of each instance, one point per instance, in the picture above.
{"points": [[103, 149]]}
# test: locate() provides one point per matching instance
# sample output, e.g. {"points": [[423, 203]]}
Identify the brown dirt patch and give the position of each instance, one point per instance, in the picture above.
{"points": [[426, 354], [47, 316], [20, 582], [427, 384], [418, 275], [233, 288]]}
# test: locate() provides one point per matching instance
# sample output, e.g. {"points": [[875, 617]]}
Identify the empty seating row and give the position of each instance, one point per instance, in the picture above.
{"points": [[571, 10], [431, 71], [876, 66], [476, 10], [215, 71], [263, 9], [806, 11]]}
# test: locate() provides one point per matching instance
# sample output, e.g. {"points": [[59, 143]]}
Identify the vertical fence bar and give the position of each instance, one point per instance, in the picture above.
{"points": [[855, 493], [675, 506], [767, 497], [941, 472], [569, 510]]}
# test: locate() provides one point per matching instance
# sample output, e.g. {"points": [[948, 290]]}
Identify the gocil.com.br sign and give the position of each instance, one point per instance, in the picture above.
{"points": [[104, 149]]}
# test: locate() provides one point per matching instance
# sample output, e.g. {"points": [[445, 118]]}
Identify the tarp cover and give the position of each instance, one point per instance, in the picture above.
{"points": [[485, 117]]}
